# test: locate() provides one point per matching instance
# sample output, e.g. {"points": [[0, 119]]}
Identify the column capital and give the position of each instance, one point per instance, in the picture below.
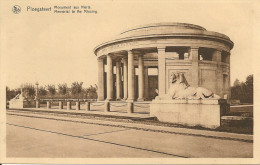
{"points": [[194, 47], [218, 49], [100, 59], [109, 55], [161, 48], [130, 51]]}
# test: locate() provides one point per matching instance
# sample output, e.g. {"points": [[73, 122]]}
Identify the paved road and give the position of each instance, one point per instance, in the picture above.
{"points": [[39, 137]]}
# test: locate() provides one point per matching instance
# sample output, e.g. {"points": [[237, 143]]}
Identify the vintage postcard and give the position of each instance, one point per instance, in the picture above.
{"points": [[129, 82]]}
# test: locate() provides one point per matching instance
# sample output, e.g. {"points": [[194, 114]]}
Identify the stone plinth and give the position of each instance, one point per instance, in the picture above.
{"points": [[17, 104], [21, 103], [205, 113]]}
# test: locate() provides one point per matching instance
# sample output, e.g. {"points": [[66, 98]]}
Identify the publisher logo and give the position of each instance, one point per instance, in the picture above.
{"points": [[16, 9]]}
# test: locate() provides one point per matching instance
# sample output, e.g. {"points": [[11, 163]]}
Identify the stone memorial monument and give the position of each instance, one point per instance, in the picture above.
{"points": [[192, 76], [18, 101], [126, 62]]}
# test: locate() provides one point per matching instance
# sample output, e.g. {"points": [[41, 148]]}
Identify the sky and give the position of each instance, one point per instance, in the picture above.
{"points": [[58, 48]]}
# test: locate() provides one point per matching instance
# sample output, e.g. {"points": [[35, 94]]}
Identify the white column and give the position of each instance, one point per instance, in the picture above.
{"points": [[229, 90], [68, 105], [124, 60], [131, 75], [146, 82], [109, 77], [219, 75], [100, 79], [48, 105], [60, 104], [118, 79], [141, 78], [161, 68], [194, 54]]}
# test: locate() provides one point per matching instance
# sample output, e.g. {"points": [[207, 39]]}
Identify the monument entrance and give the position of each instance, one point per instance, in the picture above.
{"points": [[152, 86]]}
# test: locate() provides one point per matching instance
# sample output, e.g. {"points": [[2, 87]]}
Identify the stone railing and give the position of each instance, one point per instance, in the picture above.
{"points": [[68, 101], [129, 106]]}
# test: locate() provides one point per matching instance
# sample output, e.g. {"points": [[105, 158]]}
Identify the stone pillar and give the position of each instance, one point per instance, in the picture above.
{"points": [[107, 106], [48, 105], [146, 93], [125, 77], [68, 105], [100, 79], [194, 54], [109, 78], [141, 78], [228, 59], [131, 76], [60, 105], [130, 106], [161, 69], [37, 104], [219, 75], [229, 90], [88, 106], [118, 80], [77, 105]]}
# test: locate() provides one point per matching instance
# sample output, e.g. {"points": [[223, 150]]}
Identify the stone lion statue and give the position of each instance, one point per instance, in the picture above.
{"points": [[180, 89]]}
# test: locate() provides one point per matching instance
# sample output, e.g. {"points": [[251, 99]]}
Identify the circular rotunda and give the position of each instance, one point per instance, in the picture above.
{"points": [[137, 64]]}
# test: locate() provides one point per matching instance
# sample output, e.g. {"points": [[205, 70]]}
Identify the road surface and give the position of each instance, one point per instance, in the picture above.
{"points": [[31, 136]]}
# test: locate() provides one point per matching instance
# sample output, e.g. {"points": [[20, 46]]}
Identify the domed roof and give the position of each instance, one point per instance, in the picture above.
{"points": [[168, 28], [161, 28]]}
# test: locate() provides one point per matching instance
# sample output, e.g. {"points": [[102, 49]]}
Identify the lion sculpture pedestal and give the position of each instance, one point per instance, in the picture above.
{"points": [[204, 113], [188, 105]]}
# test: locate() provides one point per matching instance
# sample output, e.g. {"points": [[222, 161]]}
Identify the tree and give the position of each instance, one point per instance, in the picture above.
{"points": [[28, 90], [243, 91], [11, 93], [76, 88], [42, 91], [250, 88], [63, 89], [236, 83], [51, 90], [91, 92]]}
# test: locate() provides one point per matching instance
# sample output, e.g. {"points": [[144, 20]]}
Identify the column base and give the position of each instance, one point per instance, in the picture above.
{"points": [[118, 99], [100, 99], [140, 99], [130, 100], [109, 99]]}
